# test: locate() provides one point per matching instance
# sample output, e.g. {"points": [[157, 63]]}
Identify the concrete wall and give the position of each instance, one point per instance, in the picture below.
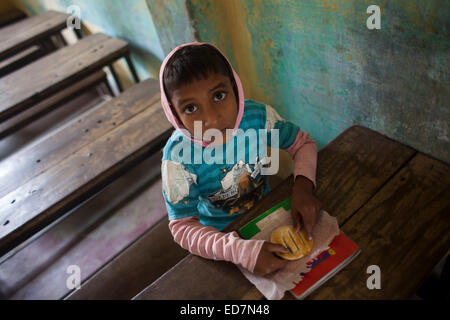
{"points": [[320, 66], [314, 61]]}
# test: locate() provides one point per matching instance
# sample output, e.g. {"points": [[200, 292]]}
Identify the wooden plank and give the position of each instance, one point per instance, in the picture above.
{"points": [[51, 103], [134, 268], [89, 236], [48, 195], [21, 34], [404, 229], [20, 59], [351, 169], [48, 151], [38, 80]]}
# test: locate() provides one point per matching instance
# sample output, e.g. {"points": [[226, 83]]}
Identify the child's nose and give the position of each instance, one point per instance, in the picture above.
{"points": [[213, 120]]}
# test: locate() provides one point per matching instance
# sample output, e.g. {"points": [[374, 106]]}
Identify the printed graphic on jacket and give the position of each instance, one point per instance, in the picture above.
{"points": [[242, 187]]}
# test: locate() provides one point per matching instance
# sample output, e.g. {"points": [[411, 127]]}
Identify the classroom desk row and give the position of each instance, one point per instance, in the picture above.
{"points": [[41, 182]]}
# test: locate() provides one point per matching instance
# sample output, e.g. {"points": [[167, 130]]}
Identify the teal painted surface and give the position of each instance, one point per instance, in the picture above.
{"points": [[172, 21], [129, 20], [319, 65]]}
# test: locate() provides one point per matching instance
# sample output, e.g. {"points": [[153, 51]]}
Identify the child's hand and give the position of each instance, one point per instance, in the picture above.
{"points": [[267, 262], [304, 205]]}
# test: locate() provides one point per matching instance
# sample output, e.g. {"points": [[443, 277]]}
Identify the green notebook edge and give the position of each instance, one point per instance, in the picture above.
{"points": [[250, 229]]}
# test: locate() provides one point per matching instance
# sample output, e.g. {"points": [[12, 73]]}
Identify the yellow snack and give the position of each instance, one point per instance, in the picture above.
{"points": [[297, 243]]}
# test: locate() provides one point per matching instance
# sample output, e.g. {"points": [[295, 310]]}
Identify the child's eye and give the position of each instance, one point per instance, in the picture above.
{"points": [[219, 96], [190, 109]]}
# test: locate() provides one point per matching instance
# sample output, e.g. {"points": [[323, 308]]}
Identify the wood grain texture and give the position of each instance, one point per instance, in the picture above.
{"points": [[351, 169], [87, 169], [20, 59], [51, 103], [28, 31], [38, 80], [404, 229], [135, 267], [89, 126]]}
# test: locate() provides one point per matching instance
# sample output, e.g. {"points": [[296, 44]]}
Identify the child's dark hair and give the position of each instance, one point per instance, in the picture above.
{"points": [[194, 62]]}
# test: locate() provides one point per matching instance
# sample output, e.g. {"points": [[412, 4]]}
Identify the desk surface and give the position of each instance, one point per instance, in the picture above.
{"points": [[28, 31], [390, 199], [56, 71]]}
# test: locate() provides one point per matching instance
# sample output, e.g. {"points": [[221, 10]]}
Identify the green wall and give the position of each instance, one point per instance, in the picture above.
{"points": [[320, 66], [314, 61]]}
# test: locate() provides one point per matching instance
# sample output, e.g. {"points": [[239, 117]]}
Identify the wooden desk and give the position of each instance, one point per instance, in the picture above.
{"points": [[59, 171], [33, 83], [390, 199], [21, 59], [19, 35]]}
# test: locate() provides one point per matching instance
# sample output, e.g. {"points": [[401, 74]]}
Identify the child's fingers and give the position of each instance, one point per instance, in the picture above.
{"points": [[296, 219], [308, 229], [277, 248], [309, 225]]}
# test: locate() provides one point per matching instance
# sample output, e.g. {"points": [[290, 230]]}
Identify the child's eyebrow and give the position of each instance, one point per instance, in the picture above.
{"points": [[219, 85]]}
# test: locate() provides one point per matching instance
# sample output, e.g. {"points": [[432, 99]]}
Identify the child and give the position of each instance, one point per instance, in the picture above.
{"points": [[200, 93]]}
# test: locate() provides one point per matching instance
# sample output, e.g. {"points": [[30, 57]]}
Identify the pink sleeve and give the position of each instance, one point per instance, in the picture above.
{"points": [[304, 153], [209, 243]]}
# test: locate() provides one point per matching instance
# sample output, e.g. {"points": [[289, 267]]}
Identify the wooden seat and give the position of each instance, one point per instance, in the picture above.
{"points": [[20, 59], [90, 236], [31, 84], [51, 103], [42, 181], [135, 268], [29, 31]]}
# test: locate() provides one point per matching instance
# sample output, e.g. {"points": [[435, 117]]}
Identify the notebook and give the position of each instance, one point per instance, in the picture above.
{"points": [[340, 252]]}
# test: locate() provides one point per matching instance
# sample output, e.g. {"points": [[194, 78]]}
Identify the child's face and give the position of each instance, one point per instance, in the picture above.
{"points": [[211, 101]]}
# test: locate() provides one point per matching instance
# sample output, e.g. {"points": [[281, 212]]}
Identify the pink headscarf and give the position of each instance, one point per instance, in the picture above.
{"points": [[166, 105]]}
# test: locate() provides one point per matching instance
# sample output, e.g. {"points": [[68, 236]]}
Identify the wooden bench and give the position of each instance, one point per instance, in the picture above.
{"points": [[392, 200], [53, 102], [22, 34], [92, 236], [55, 173], [24, 88], [20, 59], [135, 268]]}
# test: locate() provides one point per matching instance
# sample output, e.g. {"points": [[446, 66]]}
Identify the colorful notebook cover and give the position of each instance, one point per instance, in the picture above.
{"points": [[325, 265]]}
